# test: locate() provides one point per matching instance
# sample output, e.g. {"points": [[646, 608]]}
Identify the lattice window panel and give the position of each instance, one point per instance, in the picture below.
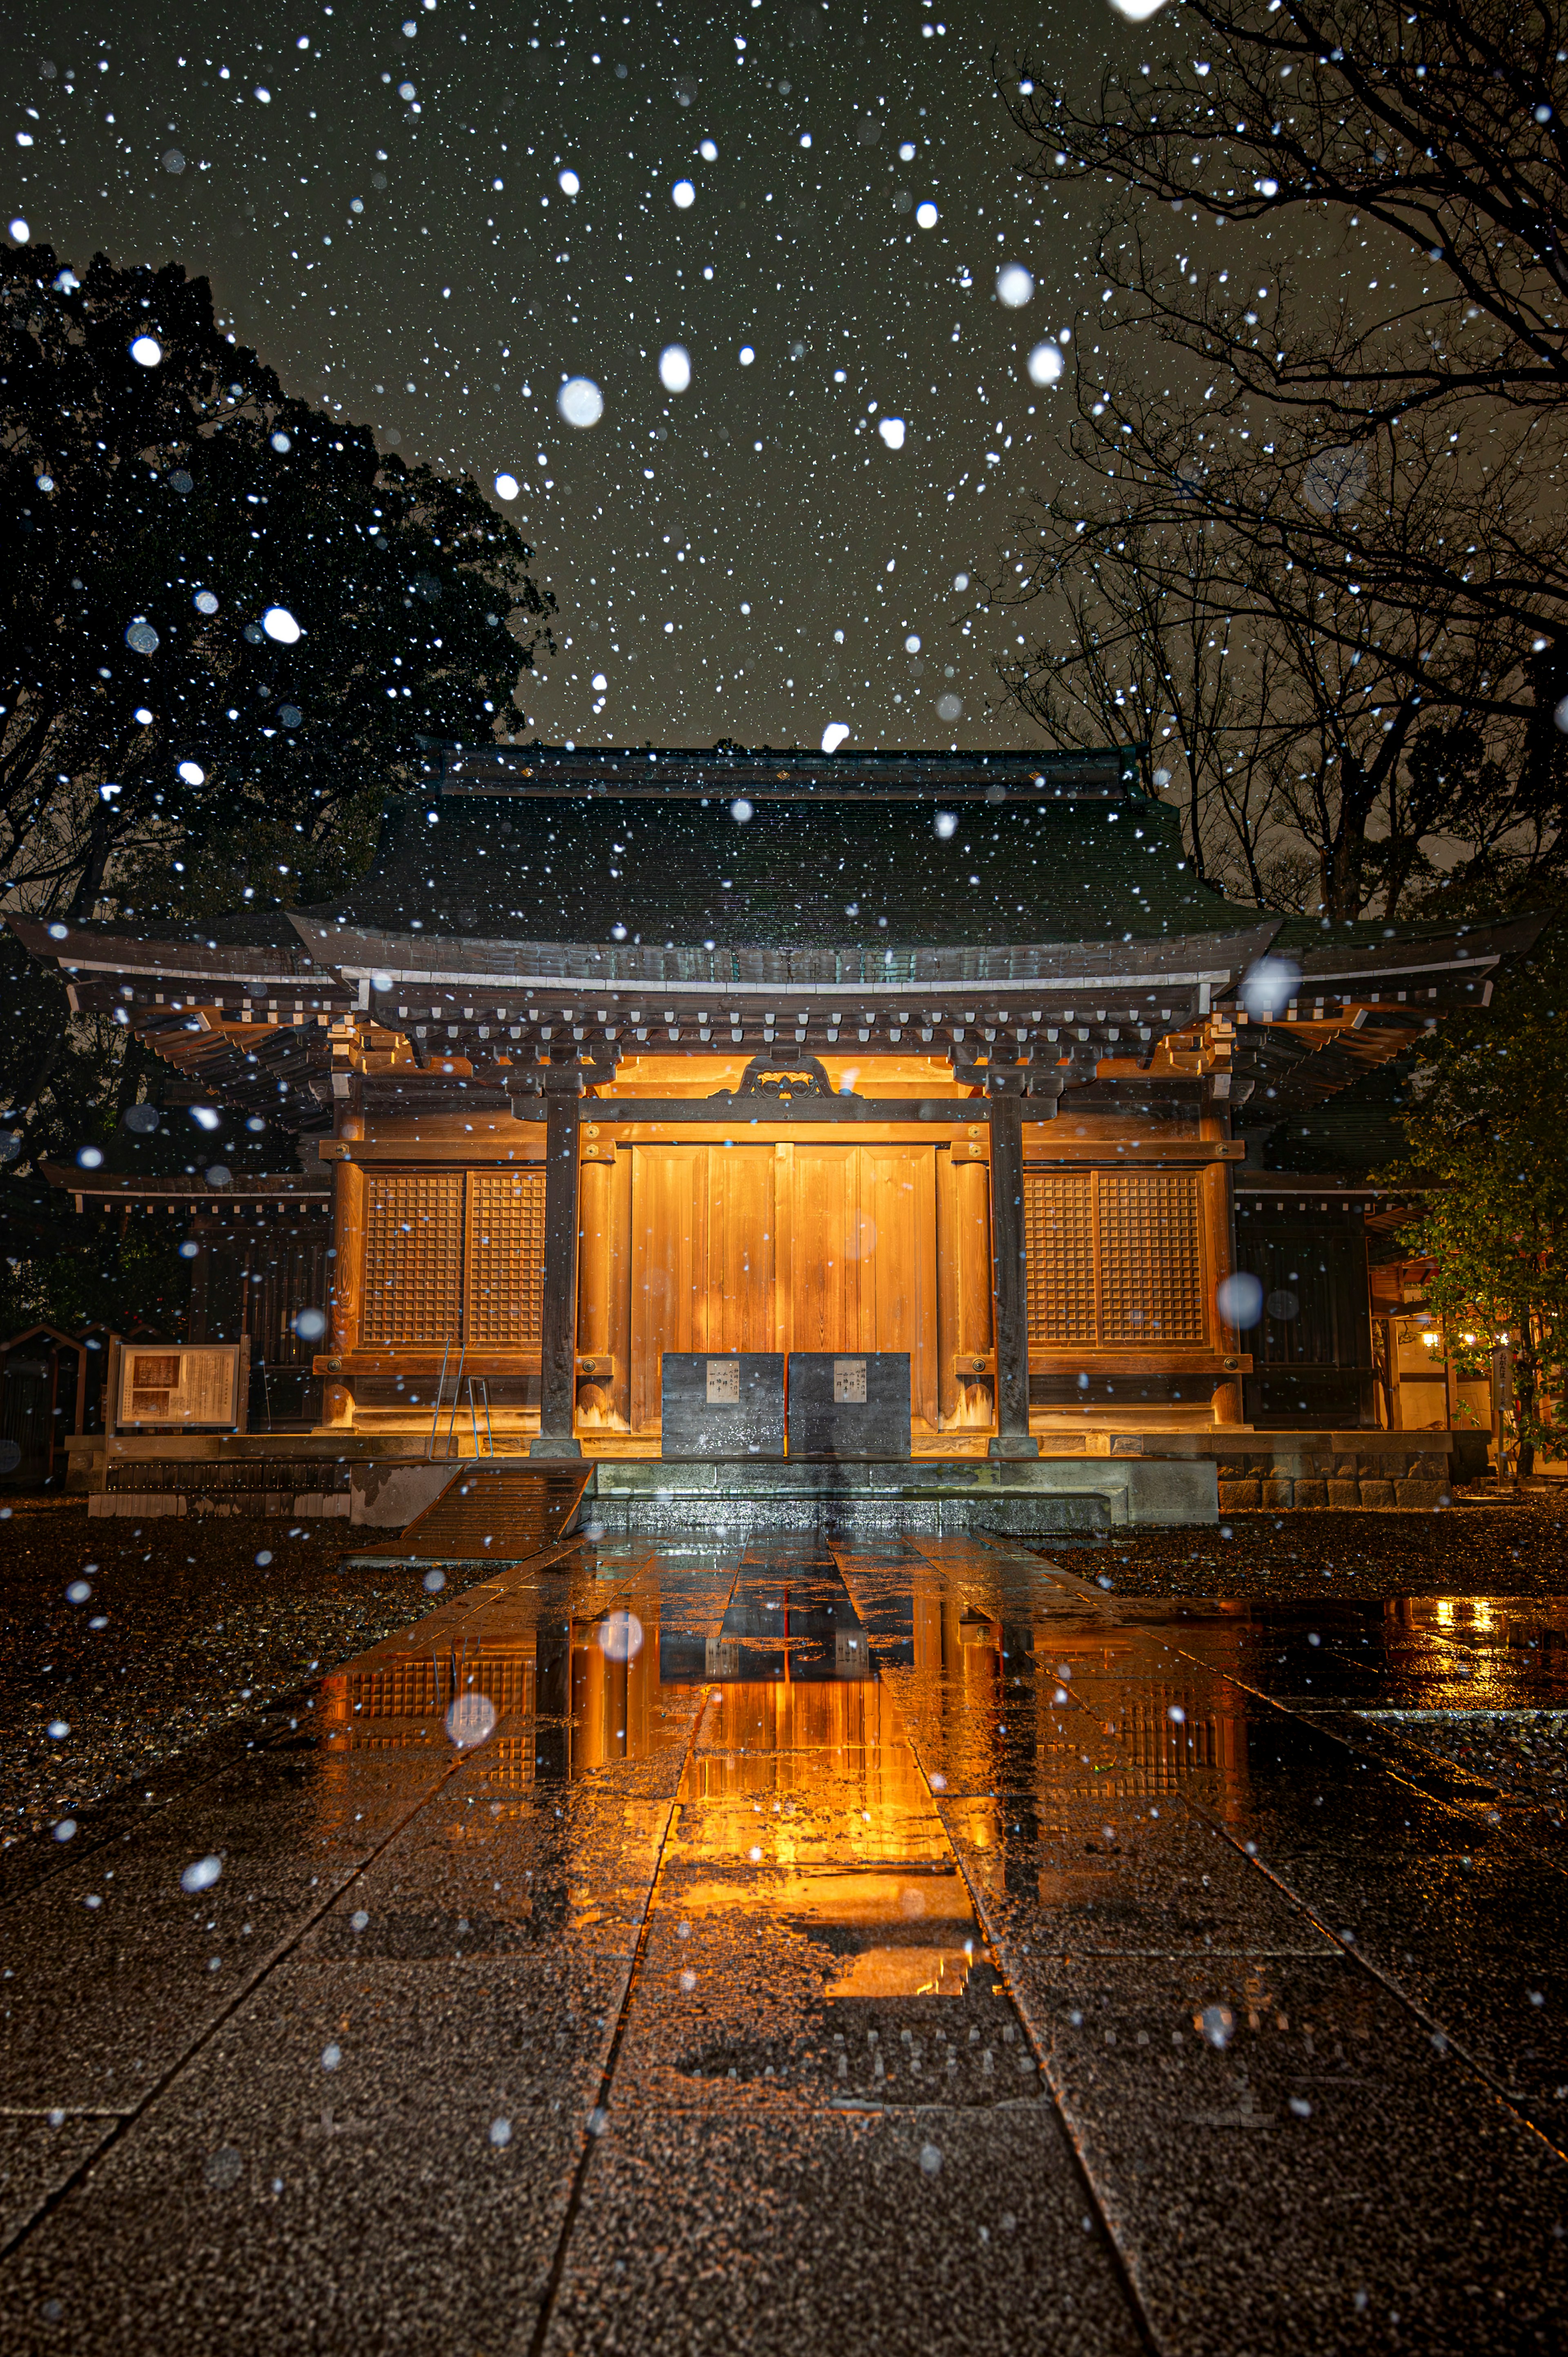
{"points": [[414, 1258], [1151, 1258], [406, 1690], [1059, 1255], [506, 1259]]}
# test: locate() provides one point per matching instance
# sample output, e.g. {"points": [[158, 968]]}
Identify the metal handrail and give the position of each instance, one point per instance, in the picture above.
{"points": [[479, 1399], [482, 1384], [452, 1406], [456, 1397], [435, 1413], [436, 1406]]}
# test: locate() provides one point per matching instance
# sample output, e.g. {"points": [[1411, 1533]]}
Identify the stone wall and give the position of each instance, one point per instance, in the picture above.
{"points": [[1370, 1475]]}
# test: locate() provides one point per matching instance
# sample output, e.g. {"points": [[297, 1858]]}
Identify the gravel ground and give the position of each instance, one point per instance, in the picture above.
{"points": [[1469, 1550], [191, 1626], [1524, 1753]]}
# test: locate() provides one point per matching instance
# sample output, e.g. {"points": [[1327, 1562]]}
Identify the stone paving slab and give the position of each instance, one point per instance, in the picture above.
{"points": [[265, 2203], [783, 2230], [40, 2151], [1322, 2180], [1075, 1982]]}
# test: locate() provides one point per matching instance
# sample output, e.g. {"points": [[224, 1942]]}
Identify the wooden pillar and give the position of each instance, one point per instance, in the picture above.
{"points": [[966, 1310], [1220, 1238], [595, 1178], [197, 1314], [344, 1291], [558, 1352], [604, 1283], [1013, 1438], [111, 1388], [242, 1386]]}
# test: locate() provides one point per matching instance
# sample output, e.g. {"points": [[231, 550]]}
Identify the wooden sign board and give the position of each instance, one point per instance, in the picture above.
{"points": [[849, 1407], [728, 1404], [179, 1384]]}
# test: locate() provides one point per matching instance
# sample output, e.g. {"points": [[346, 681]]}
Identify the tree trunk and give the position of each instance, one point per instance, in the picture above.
{"points": [[85, 898], [1342, 868], [1526, 1393], [1543, 778]]}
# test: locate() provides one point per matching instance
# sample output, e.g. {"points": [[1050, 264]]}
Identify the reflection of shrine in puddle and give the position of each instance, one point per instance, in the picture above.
{"points": [[1060, 1737], [570, 1698], [1116, 1702], [803, 1802], [800, 1801]]}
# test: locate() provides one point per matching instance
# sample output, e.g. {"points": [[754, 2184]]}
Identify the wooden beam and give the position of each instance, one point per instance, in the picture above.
{"points": [[1106, 1359], [1220, 1226], [407, 1142], [747, 1111], [405, 1148], [1044, 1150], [422, 1360], [346, 1292], [558, 1356]]}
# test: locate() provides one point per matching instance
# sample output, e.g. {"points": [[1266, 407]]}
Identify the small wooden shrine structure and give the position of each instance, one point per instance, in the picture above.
{"points": [[613, 1053]]}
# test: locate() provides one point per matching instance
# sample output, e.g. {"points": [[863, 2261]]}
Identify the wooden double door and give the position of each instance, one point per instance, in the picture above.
{"points": [[795, 1246]]}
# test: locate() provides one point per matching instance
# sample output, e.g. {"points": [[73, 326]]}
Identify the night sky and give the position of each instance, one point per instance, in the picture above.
{"points": [[375, 189]]}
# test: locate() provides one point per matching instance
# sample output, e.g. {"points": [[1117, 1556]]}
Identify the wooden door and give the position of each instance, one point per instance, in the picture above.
{"points": [[703, 1250], [742, 1310], [864, 1257], [795, 1246]]}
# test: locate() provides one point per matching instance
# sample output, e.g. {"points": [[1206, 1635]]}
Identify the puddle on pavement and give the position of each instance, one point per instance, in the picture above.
{"points": [[809, 1891], [557, 1683], [806, 1800], [812, 1918], [823, 1884], [802, 1801]]}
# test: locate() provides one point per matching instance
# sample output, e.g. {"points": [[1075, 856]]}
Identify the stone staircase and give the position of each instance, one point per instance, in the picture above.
{"points": [[492, 1512]]}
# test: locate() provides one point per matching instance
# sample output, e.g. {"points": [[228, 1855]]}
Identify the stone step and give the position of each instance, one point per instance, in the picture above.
{"points": [[492, 1512]]}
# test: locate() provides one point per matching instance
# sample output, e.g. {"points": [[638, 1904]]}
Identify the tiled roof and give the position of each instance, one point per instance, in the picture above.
{"points": [[852, 873]]}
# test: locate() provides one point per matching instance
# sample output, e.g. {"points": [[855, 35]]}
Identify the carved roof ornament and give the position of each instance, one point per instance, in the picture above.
{"points": [[780, 1074]]}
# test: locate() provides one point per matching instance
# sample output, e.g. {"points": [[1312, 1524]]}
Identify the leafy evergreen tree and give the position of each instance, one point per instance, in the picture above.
{"points": [[1486, 1142], [233, 618], [227, 622]]}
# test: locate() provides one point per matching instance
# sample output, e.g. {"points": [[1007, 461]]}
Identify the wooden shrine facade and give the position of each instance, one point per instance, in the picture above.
{"points": [[611, 1054], [723, 1224]]}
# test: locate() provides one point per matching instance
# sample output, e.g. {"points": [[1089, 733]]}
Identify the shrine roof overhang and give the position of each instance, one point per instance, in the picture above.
{"points": [[797, 773], [331, 966], [252, 1027], [371, 959], [1358, 1005], [310, 1190], [190, 967], [1419, 955], [336, 969]]}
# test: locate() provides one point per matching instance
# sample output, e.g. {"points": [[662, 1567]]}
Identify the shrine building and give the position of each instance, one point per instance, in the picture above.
{"points": [[612, 1055]]}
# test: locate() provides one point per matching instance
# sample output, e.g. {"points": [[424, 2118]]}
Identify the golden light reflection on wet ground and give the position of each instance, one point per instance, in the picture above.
{"points": [[699, 1912], [881, 1750], [803, 1796]]}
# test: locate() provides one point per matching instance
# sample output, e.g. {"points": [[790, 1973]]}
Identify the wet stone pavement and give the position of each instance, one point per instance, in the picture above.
{"points": [[670, 1948]]}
